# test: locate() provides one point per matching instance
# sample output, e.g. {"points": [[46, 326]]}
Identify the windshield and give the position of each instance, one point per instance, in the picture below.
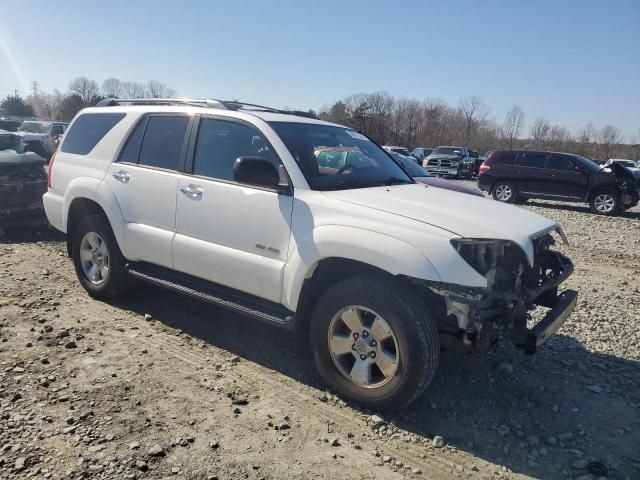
{"points": [[587, 163], [410, 166], [447, 151], [34, 127], [336, 158]]}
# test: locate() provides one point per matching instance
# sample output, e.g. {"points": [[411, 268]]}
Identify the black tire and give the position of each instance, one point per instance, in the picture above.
{"points": [[605, 202], [116, 281], [409, 320], [501, 186]]}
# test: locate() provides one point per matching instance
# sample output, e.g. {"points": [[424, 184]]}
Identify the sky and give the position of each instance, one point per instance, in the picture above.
{"points": [[570, 61]]}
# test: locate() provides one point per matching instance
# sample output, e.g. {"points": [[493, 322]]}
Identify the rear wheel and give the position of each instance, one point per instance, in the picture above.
{"points": [[99, 264], [504, 192], [373, 342], [604, 202]]}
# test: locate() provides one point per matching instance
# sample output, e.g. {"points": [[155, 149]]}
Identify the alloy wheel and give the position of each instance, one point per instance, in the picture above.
{"points": [[94, 257], [363, 347], [604, 202], [504, 192]]}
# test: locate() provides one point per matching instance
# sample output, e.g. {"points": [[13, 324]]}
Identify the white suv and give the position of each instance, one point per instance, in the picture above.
{"points": [[227, 203]]}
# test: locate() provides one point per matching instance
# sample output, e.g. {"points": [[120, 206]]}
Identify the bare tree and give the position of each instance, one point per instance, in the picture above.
{"points": [[635, 146], [112, 88], [608, 137], [156, 89], [512, 125], [434, 111], [559, 138], [134, 90], [540, 131], [84, 88], [473, 108]]}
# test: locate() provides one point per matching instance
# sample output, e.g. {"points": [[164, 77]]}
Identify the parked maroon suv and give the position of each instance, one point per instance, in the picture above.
{"points": [[519, 175]]}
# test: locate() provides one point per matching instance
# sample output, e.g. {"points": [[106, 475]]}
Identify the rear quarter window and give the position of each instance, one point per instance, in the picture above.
{"points": [[88, 130]]}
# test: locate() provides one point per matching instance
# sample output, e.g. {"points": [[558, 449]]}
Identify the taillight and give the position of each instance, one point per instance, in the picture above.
{"points": [[484, 168], [53, 157]]}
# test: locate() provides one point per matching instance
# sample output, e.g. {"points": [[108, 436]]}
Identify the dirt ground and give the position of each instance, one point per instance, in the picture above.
{"points": [[163, 386]]}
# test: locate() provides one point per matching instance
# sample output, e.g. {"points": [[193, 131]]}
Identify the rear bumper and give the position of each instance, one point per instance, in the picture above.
{"points": [[484, 184], [553, 320], [54, 207]]}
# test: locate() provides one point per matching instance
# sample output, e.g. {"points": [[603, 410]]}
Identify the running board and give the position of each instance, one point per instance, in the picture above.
{"points": [[225, 297]]}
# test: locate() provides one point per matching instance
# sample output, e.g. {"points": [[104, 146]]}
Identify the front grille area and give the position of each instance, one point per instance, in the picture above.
{"points": [[439, 162]]}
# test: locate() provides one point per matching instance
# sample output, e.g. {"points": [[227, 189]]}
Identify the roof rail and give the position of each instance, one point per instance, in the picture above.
{"points": [[196, 102], [200, 102]]}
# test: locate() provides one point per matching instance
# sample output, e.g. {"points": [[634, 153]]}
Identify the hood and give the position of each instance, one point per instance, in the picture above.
{"points": [[621, 171], [449, 185], [467, 216]]}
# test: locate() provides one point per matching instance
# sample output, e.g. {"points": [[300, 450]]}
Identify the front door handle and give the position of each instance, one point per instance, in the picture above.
{"points": [[122, 176], [194, 192]]}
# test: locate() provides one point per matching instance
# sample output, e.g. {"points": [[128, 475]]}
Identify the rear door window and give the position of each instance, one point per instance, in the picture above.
{"points": [[87, 130], [131, 151], [163, 141], [532, 160]]}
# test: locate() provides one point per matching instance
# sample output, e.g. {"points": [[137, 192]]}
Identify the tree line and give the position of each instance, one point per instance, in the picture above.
{"points": [[82, 92], [388, 120], [431, 122]]}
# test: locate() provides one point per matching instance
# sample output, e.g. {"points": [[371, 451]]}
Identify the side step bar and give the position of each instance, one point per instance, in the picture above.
{"points": [[228, 298]]}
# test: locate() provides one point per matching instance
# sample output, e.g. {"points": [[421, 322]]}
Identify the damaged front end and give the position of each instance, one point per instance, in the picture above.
{"points": [[476, 317]]}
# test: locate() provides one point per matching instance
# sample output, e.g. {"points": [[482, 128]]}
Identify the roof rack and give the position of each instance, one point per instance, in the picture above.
{"points": [[200, 102], [196, 102]]}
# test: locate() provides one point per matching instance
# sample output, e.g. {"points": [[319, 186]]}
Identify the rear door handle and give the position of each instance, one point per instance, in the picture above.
{"points": [[194, 192], [121, 176]]}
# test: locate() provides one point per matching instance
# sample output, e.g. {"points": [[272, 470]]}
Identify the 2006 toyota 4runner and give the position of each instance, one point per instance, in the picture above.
{"points": [[226, 202]]}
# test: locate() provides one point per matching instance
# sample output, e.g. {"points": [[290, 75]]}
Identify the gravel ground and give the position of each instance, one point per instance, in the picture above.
{"points": [[162, 386]]}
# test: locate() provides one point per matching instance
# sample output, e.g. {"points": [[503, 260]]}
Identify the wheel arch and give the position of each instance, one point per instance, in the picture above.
{"points": [[89, 200], [325, 273], [605, 187]]}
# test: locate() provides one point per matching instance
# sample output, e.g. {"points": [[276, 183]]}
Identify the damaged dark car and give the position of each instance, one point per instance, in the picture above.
{"points": [[512, 176], [23, 181]]}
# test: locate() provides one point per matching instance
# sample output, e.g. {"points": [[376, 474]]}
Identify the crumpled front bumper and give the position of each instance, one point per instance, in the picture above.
{"points": [[552, 321], [546, 295]]}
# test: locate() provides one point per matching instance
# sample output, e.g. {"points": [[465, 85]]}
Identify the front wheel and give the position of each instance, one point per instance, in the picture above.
{"points": [[374, 342], [604, 202]]}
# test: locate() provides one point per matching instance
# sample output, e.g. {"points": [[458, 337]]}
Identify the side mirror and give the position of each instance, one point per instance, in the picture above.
{"points": [[256, 171]]}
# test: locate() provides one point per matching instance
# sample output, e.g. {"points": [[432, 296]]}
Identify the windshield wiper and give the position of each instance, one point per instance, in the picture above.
{"points": [[395, 181]]}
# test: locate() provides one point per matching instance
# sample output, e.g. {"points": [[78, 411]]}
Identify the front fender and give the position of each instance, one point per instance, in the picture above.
{"points": [[330, 241]]}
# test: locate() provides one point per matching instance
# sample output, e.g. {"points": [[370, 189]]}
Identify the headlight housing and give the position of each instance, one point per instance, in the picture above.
{"points": [[481, 254], [501, 262]]}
